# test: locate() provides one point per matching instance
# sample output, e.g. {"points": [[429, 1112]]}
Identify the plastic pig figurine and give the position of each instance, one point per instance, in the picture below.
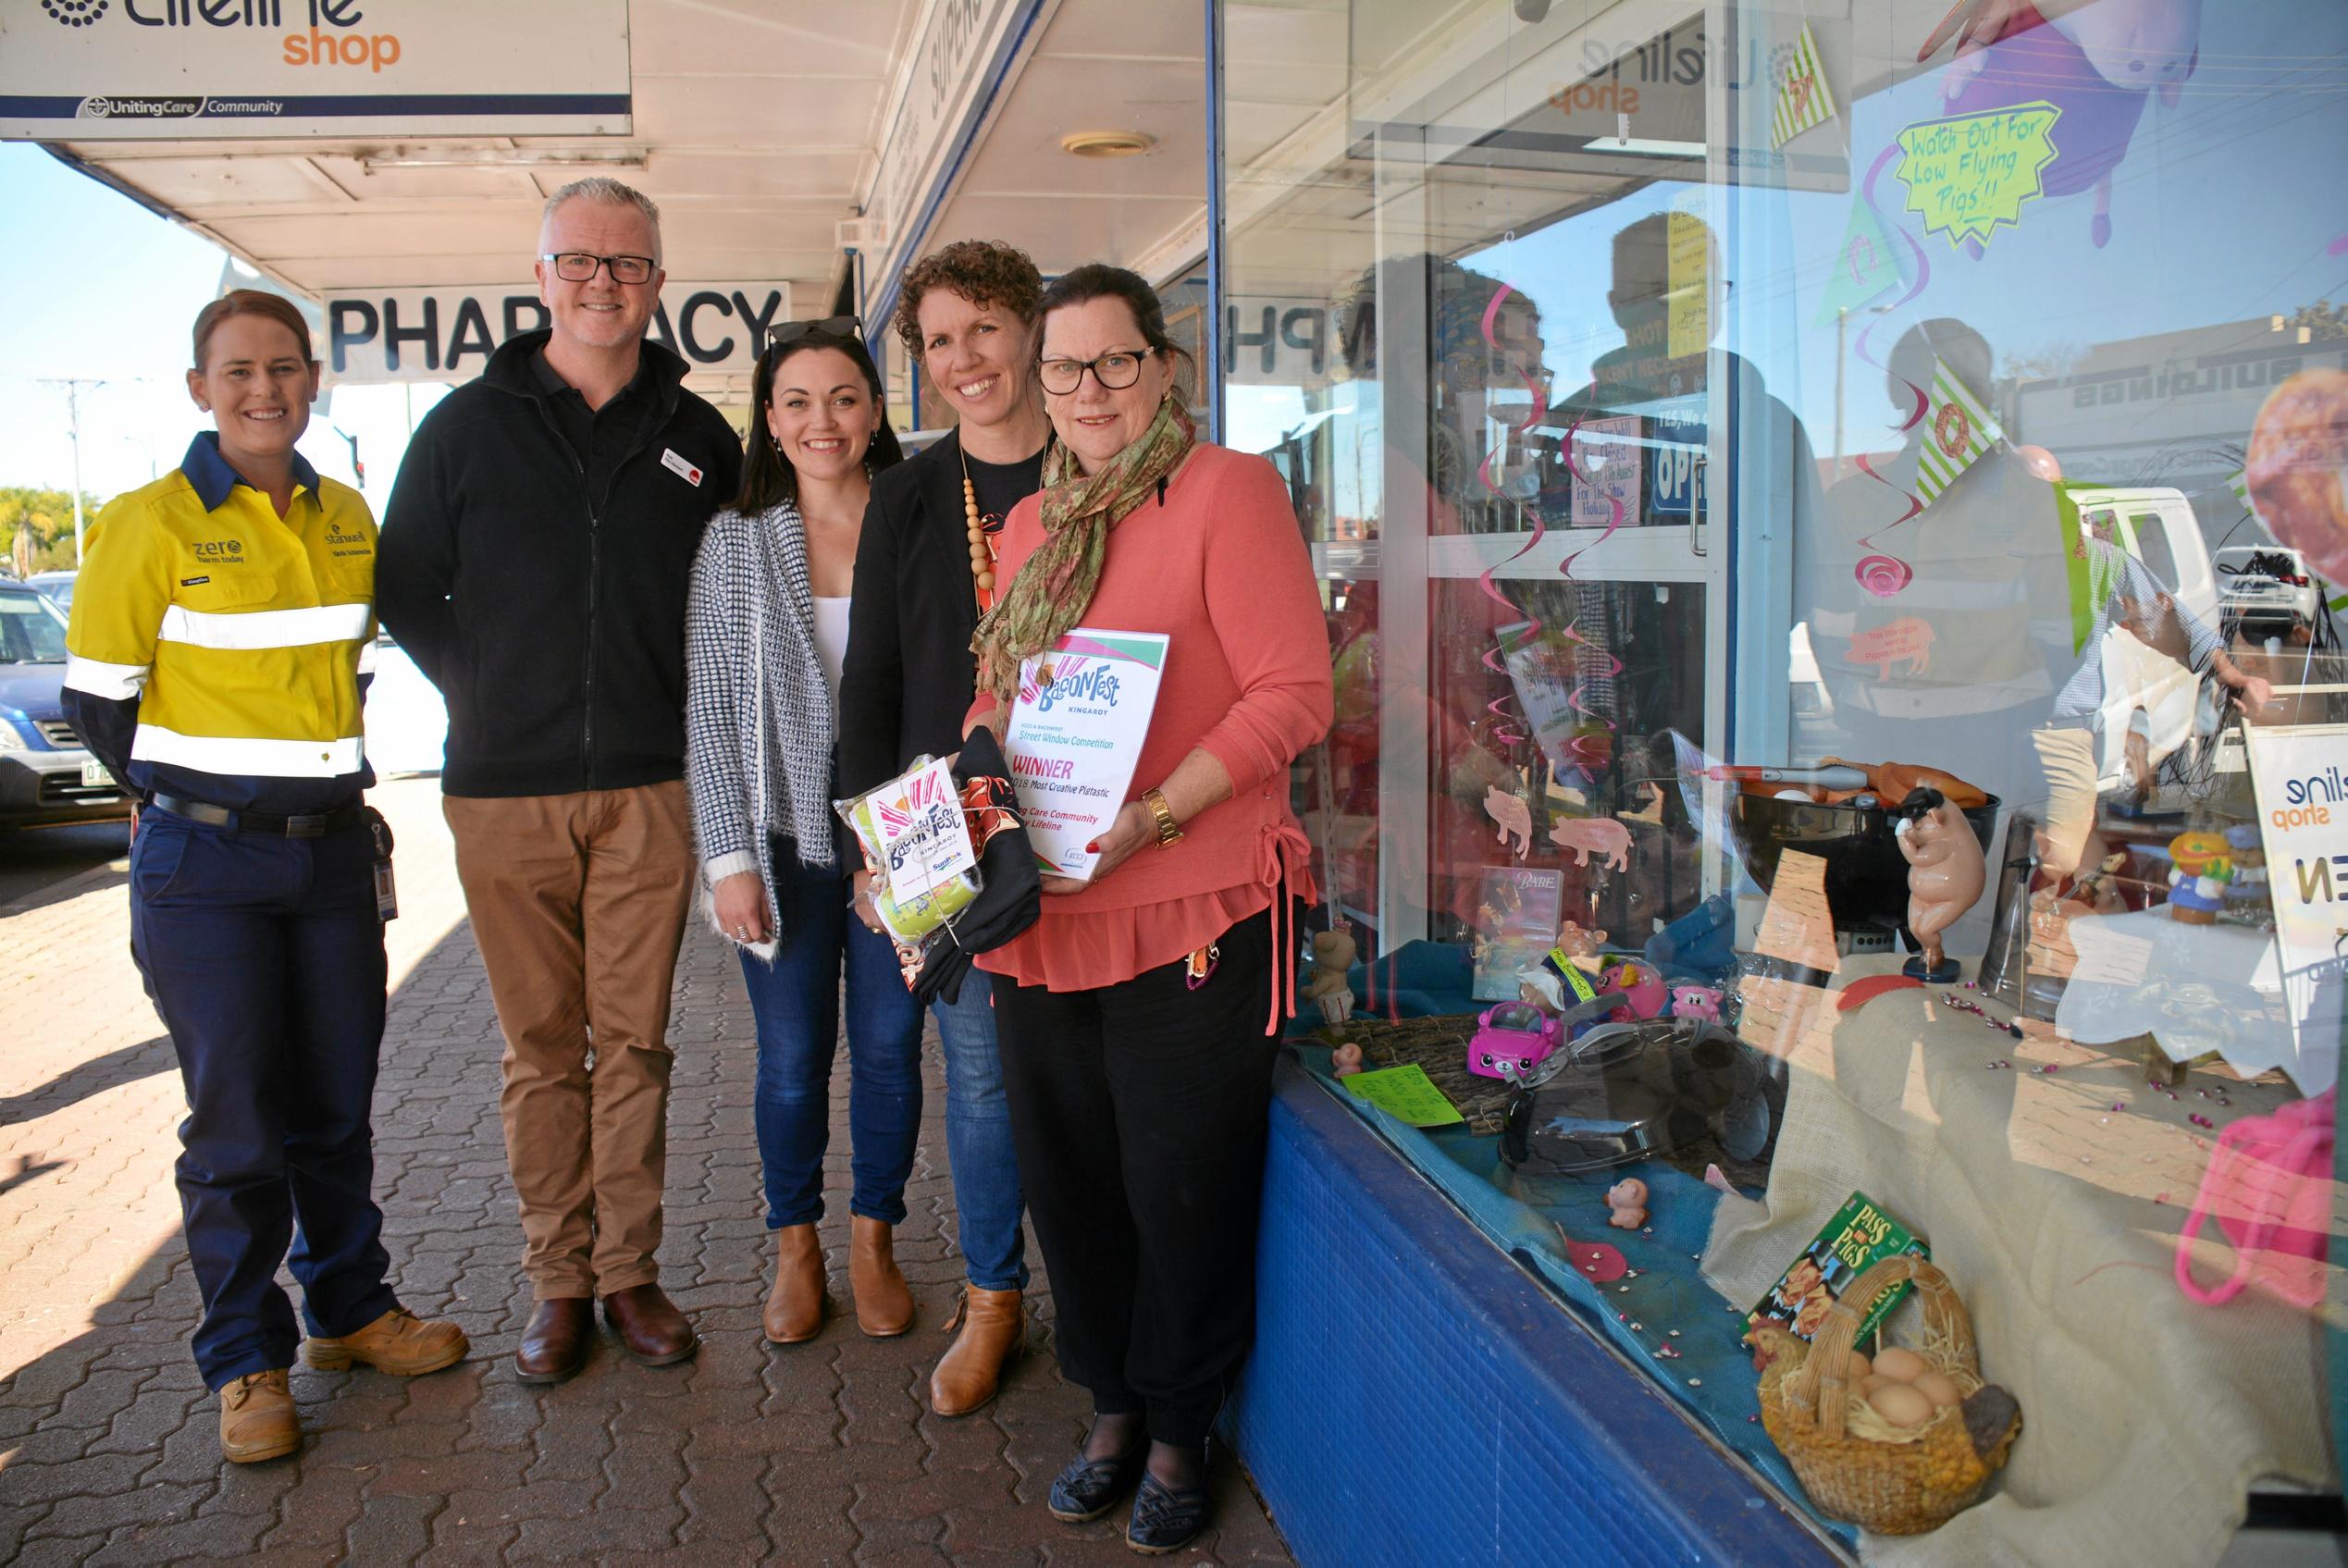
{"points": [[1945, 874], [1641, 988], [1584, 948], [1696, 1002], [1333, 954], [1346, 1060], [1627, 1199]]}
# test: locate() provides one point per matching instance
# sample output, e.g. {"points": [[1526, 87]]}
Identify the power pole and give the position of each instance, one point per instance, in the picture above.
{"points": [[73, 385]]}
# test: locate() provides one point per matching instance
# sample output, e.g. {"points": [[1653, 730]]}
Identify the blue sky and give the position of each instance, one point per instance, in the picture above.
{"points": [[104, 290]]}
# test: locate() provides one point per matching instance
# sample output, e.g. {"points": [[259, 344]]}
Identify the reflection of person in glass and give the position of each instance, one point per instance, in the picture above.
{"points": [[2014, 697]]}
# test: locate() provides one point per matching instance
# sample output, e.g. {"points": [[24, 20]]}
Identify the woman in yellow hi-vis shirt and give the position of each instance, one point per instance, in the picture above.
{"points": [[219, 624]]}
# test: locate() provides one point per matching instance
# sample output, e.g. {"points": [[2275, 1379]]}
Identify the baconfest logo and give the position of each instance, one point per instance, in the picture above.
{"points": [[319, 32]]}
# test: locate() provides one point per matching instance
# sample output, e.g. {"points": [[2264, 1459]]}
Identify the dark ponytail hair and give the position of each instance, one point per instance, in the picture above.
{"points": [[768, 478], [1099, 280]]}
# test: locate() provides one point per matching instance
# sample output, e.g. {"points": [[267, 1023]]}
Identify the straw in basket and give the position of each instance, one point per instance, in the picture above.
{"points": [[1855, 1464]]}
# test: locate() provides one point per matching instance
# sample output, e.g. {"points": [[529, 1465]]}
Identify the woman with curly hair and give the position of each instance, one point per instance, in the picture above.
{"points": [[924, 571]]}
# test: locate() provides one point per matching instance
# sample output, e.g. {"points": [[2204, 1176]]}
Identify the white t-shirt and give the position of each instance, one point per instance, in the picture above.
{"points": [[831, 642]]}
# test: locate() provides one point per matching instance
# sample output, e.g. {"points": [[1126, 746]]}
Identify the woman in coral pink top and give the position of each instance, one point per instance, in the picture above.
{"points": [[1137, 1016]]}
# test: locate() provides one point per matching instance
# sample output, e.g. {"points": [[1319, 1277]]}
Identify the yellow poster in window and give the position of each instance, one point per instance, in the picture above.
{"points": [[1688, 301]]}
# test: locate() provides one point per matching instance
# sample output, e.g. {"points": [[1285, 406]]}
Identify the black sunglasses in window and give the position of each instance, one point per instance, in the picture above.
{"points": [[825, 327], [578, 266]]}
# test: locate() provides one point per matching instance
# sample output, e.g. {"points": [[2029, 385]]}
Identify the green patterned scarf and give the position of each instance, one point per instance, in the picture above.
{"points": [[1053, 589]]}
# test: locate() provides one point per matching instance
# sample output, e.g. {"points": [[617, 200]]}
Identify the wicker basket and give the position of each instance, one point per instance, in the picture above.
{"points": [[1856, 1466]]}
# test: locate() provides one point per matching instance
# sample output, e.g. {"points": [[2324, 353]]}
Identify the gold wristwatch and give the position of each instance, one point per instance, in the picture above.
{"points": [[1168, 830]]}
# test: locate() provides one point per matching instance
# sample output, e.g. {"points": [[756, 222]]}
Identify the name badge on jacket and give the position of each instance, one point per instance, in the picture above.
{"points": [[678, 466]]}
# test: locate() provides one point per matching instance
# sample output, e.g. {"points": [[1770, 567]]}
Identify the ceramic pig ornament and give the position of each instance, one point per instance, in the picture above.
{"points": [[1945, 874]]}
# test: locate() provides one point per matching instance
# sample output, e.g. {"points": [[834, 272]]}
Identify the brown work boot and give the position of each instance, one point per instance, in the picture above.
{"points": [[554, 1345], [795, 1307], [994, 1332], [884, 1305], [399, 1342], [649, 1327], [258, 1420]]}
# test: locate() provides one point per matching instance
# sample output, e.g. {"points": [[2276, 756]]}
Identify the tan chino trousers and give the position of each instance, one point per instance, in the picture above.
{"points": [[579, 902]]}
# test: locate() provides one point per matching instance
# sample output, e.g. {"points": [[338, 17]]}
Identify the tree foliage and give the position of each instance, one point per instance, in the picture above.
{"points": [[47, 517]]}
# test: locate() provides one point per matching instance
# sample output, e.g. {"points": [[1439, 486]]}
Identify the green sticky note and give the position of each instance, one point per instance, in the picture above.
{"points": [[1968, 175], [1406, 1093]]}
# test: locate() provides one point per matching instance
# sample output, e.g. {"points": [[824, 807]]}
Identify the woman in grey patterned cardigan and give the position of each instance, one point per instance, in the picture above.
{"points": [[767, 629]]}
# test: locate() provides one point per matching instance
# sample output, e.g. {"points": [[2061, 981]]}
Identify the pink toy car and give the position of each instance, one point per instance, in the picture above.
{"points": [[1512, 1039]]}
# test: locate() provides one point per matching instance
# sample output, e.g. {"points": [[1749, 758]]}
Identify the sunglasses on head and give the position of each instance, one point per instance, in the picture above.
{"points": [[825, 327]]}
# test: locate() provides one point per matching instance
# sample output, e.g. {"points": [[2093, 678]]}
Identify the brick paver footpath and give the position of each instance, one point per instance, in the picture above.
{"points": [[823, 1453]]}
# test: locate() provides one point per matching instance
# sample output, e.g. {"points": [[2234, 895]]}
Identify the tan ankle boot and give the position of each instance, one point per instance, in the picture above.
{"points": [[258, 1420], [795, 1307], [884, 1304], [994, 1332]]}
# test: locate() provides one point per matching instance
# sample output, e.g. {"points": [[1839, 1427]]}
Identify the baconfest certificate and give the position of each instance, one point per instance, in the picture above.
{"points": [[1075, 735]]}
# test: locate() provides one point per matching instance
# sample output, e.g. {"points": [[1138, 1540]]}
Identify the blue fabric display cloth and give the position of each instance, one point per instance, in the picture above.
{"points": [[1661, 1313]]}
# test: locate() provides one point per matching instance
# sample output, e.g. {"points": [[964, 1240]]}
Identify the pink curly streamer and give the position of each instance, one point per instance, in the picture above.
{"points": [[1505, 726], [1591, 751], [1884, 574]]}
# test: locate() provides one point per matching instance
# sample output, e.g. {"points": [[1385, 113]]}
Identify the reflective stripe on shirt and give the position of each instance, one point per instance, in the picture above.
{"points": [[239, 754], [113, 682], [254, 629]]}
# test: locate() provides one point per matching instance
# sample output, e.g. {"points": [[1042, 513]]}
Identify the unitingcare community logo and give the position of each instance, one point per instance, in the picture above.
{"points": [[75, 13]]}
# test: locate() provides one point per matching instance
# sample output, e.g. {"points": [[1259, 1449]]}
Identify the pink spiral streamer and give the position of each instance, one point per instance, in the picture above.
{"points": [[1506, 727], [1880, 574]]}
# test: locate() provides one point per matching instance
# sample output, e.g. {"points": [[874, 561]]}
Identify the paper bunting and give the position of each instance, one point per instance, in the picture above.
{"points": [[1803, 97], [1867, 264], [1958, 431]]}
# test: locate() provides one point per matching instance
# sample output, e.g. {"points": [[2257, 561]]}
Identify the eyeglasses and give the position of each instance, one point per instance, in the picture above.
{"points": [[825, 327], [578, 266], [1115, 371]]}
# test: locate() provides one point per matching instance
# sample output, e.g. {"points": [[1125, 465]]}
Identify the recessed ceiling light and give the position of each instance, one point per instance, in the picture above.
{"points": [[1106, 143]]}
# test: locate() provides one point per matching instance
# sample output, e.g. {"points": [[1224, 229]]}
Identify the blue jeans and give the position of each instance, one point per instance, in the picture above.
{"points": [[797, 1003], [978, 1139]]}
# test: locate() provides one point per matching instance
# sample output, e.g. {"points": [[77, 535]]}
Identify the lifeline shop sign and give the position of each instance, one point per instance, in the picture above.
{"points": [[449, 334], [96, 70]]}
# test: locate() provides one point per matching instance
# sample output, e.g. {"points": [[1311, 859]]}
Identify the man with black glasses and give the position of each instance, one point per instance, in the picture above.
{"points": [[534, 561]]}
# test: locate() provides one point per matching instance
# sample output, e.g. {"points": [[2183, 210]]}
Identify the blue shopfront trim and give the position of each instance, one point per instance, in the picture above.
{"points": [[1415, 1397]]}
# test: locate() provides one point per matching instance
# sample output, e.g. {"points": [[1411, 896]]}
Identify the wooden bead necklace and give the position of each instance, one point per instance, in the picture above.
{"points": [[982, 552]]}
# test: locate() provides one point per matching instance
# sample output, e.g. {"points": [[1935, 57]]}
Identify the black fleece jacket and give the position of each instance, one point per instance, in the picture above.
{"points": [[542, 591]]}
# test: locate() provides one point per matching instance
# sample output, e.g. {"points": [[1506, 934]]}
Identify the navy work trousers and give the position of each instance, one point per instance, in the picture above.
{"points": [[264, 957]]}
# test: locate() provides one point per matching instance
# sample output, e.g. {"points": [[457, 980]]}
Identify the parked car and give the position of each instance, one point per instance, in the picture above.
{"points": [[45, 775], [2268, 590], [58, 585]]}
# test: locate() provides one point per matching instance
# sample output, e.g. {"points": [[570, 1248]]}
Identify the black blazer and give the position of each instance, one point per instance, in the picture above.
{"points": [[909, 673]]}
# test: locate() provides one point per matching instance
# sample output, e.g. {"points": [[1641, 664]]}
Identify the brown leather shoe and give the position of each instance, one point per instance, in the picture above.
{"points": [[649, 1327], [555, 1344], [257, 1421], [884, 1304], [795, 1307], [994, 1332]]}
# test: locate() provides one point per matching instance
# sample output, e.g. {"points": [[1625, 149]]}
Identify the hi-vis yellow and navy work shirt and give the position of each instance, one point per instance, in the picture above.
{"points": [[216, 651]]}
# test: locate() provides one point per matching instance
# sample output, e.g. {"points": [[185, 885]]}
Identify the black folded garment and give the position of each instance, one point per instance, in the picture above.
{"points": [[1013, 896]]}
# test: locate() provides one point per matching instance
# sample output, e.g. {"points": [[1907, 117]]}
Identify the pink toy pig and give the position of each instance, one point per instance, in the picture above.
{"points": [[1627, 1199], [1641, 988], [1696, 1002]]}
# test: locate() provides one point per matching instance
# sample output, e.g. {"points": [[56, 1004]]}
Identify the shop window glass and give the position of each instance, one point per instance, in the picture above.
{"points": [[1670, 394]]}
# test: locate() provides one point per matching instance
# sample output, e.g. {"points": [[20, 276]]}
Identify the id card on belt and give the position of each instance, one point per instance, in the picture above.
{"points": [[387, 892]]}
